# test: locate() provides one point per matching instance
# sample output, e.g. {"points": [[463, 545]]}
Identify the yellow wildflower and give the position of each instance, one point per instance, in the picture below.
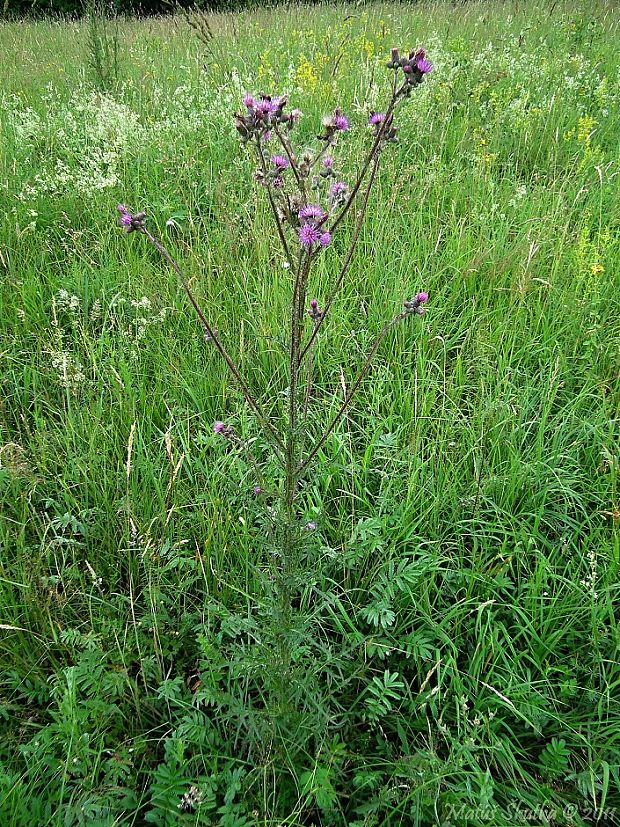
{"points": [[306, 75]]}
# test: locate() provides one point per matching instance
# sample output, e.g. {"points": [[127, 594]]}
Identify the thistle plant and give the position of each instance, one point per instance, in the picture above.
{"points": [[102, 44], [309, 201]]}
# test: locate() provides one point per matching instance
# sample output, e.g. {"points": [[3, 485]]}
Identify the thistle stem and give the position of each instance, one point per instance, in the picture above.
{"points": [[292, 160], [347, 262], [369, 158], [352, 391], [272, 203], [268, 428]]}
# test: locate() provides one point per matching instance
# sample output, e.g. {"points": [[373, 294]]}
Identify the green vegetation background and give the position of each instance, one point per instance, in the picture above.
{"points": [[458, 627]]}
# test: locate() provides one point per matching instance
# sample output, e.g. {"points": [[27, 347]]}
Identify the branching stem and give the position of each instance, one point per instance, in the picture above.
{"points": [[272, 203], [347, 261], [352, 391], [268, 428]]}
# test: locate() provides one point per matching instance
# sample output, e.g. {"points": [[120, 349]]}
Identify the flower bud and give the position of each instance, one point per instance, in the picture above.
{"points": [[394, 61], [227, 431], [414, 305], [315, 311]]}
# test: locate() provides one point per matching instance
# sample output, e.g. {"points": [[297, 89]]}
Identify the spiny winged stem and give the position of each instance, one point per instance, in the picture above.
{"points": [[292, 457], [265, 116]]}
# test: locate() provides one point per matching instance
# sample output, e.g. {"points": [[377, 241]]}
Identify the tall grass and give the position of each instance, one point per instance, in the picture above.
{"points": [[102, 46], [457, 633]]}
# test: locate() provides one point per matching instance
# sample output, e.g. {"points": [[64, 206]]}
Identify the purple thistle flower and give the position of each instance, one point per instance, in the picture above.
{"points": [[309, 235], [279, 102], [132, 221], [126, 216], [424, 65], [414, 305], [341, 122], [376, 118], [257, 490], [264, 107], [248, 101], [337, 188], [325, 238], [280, 162], [315, 311], [328, 162], [224, 430], [278, 182], [311, 526], [312, 211]]}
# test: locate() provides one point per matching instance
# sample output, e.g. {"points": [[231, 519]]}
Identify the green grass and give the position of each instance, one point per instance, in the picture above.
{"points": [[457, 615]]}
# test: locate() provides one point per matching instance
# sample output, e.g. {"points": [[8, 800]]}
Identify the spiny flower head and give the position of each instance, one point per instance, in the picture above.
{"points": [[414, 305], [312, 211], [280, 162], [394, 61], [336, 122], [261, 114], [337, 194], [341, 122], [338, 188], [264, 107], [424, 65], [383, 125], [310, 232], [223, 429], [315, 311], [309, 235], [327, 167], [414, 67], [131, 221]]}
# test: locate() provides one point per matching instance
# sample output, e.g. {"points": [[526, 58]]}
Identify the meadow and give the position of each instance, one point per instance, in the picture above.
{"points": [[455, 621]]}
